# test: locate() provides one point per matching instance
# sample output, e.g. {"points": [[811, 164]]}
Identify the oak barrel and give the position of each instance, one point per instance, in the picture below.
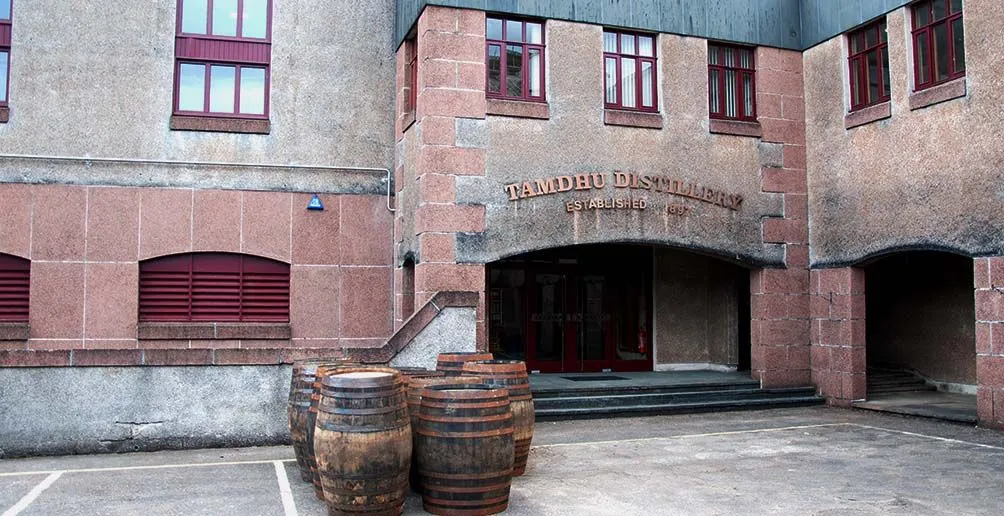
{"points": [[465, 449], [363, 441], [323, 370], [453, 363], [415, 387], [301, 424], [511, 374]]}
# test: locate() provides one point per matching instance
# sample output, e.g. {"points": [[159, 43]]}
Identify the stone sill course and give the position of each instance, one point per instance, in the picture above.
{"points": [[626, 118], [735, 128], [867, 115], [518, 108]]}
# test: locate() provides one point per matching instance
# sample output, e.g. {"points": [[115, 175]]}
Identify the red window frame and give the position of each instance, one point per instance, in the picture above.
{"points": [[716, 63], [924, 40], [15, 286], [5, 30], [216, 287], [857, 62], [619, 55], [237, 52], [411, 75], [525, 48]]}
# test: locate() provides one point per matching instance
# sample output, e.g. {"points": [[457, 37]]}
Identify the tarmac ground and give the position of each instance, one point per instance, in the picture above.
{"points": [[805, 461]]}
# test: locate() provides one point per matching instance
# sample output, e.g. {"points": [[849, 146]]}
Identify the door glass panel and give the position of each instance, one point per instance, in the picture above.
{"points": [[591, 319], [632, 334], [507, 328], [549, 317]]}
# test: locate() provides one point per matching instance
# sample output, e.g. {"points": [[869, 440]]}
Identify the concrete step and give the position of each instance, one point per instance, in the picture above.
{"points": [[574, 400], [675, 408], [542, 393]]}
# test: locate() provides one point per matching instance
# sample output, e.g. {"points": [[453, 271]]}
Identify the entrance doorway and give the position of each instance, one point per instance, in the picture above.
{"points": [[582, 309]]}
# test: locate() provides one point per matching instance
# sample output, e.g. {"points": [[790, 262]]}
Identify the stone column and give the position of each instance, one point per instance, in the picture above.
{"points": [[988, 281], [780, 297], [837, 308]]}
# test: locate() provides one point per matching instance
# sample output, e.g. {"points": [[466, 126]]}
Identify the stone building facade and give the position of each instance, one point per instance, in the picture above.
{"points": [[777, 188]]}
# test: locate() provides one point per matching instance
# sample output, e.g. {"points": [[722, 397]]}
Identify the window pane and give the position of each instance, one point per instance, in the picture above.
{"points": [[193, 16], [856, 83], [192, 88], [514, 71], [729, 54], [873, 75], [534, 34], [627, 44], [494, 29], [4, 9], [533, 71], [225, 17], [940, 9], [885, 72], [855, 42], [748, 95], [252, 91], [609, 42], [923, 14], [922, 57], [713, 57], [647, 94], [495, 68], [513, 30], [255, 22], [956, 6], [221, 89], [883, 33], [3, 76], [871, 38], [746, 59], [713, 91], [959, 42], [941, 56], [628, 83], [610, 80], [645, 47], [730, 93]]}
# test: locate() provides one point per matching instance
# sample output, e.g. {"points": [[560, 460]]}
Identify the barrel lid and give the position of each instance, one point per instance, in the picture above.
{"points": [[362, 374]]}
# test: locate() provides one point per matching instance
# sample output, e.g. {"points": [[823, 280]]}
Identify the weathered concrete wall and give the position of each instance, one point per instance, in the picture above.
{"points": [[927, 178], [575, 140], [454, 329], [696, 310], [332, 77], [921, 315], [56, 411]]}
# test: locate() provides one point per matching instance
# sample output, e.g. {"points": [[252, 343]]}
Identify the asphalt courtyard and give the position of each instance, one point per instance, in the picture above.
{"points": [[817, 460]]}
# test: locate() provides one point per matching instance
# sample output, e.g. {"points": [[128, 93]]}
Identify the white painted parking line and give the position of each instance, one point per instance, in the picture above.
{"points": [[285, 492], [936, 438], [130, 468], [23, 503], [689, 436]]}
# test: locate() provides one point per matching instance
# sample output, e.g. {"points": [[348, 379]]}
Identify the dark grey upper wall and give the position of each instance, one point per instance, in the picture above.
{"points": [[764, 22], [823, 19], [791, 24]]}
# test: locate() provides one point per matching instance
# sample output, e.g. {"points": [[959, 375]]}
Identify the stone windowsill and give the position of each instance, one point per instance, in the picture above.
{"points": [[937, 94], [632, 118], [4, 114], [213, 331], [735, 128], [220, 125], [518, 108], [868, 115], [15, 331]]}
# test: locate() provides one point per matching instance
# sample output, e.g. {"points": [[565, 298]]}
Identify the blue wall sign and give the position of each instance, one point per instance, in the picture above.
{"points": [[315, 203]]}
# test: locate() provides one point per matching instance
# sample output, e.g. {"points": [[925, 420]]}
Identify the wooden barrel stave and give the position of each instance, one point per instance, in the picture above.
{"points": [[452, 364], [511, 374], [414, 396]]}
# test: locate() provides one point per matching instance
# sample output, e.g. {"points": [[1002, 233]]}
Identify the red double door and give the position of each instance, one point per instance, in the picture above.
{"points": [[572, 315]]}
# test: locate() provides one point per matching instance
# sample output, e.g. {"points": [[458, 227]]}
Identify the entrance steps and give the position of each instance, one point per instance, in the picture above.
{"points": [[885, 381], [640, 400]]}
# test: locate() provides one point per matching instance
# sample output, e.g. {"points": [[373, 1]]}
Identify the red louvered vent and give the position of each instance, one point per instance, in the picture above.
{"points": [[15, 276], [213, 287]]}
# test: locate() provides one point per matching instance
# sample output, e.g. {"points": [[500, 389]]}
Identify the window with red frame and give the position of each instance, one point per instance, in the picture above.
{"points": [[15, 276], [869, 65], [939, 51], [515, 50], [629, 71], [218, 287], [411, 75], [731, 82], [5, 10], [223, 52]]}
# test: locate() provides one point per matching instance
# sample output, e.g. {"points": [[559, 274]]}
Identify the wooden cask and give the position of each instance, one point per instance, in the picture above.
{"points": [[511, 374], [452, 364], [301, 422], [465, 449], [363, 441], [414, 396]]}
